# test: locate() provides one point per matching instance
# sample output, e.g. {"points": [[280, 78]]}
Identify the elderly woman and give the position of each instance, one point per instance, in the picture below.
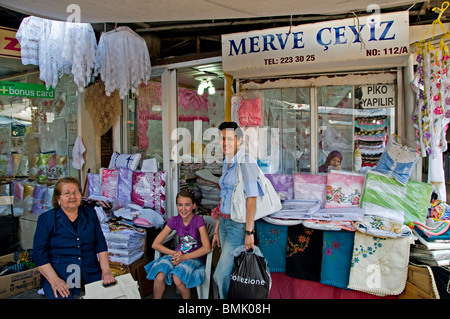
{"points": [[69, 247], [333, 160], [228, 234]]}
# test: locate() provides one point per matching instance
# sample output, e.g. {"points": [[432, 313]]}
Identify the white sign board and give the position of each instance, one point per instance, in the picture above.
{"points": [[348, 44], [377, 96]]}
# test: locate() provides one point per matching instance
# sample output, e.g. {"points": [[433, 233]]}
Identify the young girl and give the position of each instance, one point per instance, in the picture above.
{"points": [[190, 253]]}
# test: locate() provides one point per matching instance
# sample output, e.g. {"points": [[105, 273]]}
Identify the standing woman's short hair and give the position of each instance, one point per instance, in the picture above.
{"points": [[58, 186], [232, 125]]}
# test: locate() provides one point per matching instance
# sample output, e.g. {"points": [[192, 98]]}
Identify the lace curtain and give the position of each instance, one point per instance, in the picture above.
{"points": [[104, 110]]}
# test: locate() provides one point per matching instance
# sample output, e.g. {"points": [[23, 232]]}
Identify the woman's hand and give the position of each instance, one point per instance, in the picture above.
{"points": [[60, 287], [108, 277], [249, 242], [215, 240]]}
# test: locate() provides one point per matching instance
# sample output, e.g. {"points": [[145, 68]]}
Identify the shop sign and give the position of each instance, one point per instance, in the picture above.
{"points": [[9, 45], [26, 90], [377, 96], [347, 44]]}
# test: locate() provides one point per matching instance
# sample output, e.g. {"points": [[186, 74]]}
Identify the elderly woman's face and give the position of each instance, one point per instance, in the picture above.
{"points": [[69, 197], [335, 162]]}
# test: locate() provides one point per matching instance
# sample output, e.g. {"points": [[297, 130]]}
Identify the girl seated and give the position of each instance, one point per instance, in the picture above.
{"points": [[185, 264]]}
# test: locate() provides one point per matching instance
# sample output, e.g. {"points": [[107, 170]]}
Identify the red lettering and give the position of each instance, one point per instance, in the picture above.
{"points": [[13, 42]]}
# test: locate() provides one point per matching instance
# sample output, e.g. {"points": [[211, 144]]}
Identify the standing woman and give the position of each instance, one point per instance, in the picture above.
{"points": [[228, 234], [69, 247]]}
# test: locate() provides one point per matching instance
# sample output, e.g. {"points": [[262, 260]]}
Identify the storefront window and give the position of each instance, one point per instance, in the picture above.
{"points": [[354, 120], [37, 135], [336, 123], [288, 110]]}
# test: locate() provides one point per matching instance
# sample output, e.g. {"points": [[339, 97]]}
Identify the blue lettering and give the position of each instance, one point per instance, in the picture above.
{"points": [[237, 49], [339, 32], [254, 44], [319, 38], [386, 30], [372, 30], [280, 40], [356, 33], [298, 40], [268, 40]]}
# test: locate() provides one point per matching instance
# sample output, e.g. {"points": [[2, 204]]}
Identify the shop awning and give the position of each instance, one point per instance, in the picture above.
{"points": [[127, 11]]}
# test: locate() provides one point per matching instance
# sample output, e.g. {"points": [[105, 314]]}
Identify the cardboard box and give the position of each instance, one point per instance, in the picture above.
{"points": [[14, 284], [420, 284], [413, 292]]}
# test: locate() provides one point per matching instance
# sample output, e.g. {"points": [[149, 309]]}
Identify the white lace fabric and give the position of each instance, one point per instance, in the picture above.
{"points": [[123, 61], [58, 48]]}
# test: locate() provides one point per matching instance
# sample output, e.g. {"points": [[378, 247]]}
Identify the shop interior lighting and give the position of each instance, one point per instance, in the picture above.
{"points": [[205, 84]]}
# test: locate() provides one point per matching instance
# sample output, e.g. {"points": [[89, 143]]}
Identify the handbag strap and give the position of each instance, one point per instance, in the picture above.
{"points": [[238, 169]]}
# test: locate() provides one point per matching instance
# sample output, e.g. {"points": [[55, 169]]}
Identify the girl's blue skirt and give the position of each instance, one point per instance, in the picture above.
{"points": [[191, 272]]}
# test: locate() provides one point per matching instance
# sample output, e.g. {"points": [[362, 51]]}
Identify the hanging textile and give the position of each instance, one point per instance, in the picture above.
{"points": [[58, 48], [432, 111], [104, 110], [432, 88], [123, 61]]}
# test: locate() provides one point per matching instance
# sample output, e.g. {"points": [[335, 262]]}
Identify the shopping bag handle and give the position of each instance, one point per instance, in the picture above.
{"points": [[110, 284]]}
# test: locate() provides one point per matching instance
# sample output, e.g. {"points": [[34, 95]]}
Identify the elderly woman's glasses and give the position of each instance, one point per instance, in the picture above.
{"points": [[67, 194]]}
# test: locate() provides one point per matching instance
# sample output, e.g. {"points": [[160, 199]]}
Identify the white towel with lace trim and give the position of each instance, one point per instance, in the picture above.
{"points": [[379, 265]]}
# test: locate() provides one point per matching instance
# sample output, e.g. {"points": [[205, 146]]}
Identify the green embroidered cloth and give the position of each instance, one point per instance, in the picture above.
{"points": [[413, 199]]}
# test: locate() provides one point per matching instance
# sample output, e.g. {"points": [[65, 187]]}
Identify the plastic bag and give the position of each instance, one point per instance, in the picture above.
{"points": [[250, 278]]}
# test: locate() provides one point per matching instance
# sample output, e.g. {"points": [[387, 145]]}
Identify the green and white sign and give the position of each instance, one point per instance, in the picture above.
{"points": [[26, 90]]}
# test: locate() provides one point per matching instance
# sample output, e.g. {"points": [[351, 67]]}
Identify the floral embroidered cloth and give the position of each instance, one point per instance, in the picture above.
{"points": [[382, 222], [336, 258], [149, 190], [432, 88], [343, 189], [379, 266], [272, 241], [304, 253]]}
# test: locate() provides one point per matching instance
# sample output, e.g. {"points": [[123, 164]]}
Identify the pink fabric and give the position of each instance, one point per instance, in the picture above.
{"points": [[110, 181], [310, 186], [343, 189], [285, 287], [250, 113], [191, 106], [149, 190]]}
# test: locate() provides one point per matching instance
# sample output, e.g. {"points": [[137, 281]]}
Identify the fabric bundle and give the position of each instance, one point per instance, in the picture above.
{"points": [[125, 242], [383, 222], [413, 199], [149, 190], [344, 189], [209, 187], [310, 187], [432, 246], [283, 185]]}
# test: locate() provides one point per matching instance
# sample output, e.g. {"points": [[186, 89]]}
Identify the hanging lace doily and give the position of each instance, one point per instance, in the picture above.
{"points": [[104, 110]]}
